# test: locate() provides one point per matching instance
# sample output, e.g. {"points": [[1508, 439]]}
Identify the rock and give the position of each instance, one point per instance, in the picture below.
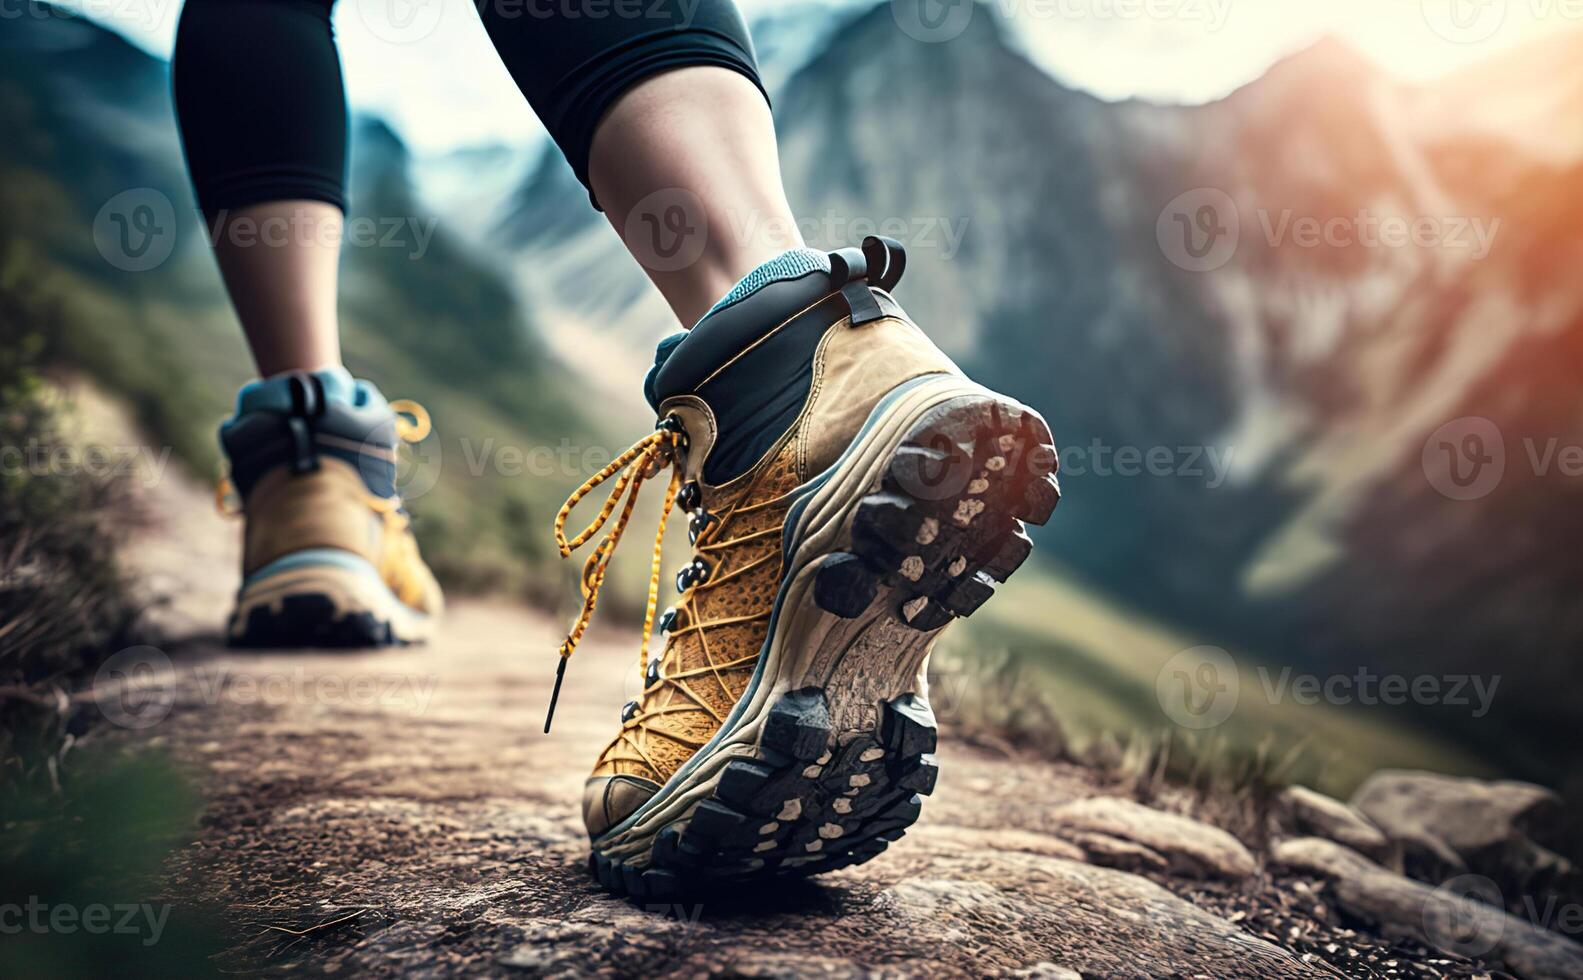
{"points": [[606, 935], [1113, 852], [1187, 846], [1300, 811], [1447, 825], [1469, 815], [1452, 917], [1042, 911], [1047, 971], [976, 839], [793, 966], [1103, 752]]}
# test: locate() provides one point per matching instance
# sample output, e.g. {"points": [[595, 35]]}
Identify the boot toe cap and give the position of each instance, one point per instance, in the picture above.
{"points": [[608, 800]]}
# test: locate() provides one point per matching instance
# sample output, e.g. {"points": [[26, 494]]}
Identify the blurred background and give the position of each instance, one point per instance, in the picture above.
{"points": [[1295, 284]]}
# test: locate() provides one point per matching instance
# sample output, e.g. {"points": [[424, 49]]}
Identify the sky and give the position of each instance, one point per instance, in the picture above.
{"points": [[428, 66]]}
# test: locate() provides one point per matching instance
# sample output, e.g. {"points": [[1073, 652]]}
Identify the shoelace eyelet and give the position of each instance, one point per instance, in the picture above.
{"points": [[673, 423], [653, 676], [668, 619], [689, 496], [696, 573], [629, 711], [698, 524]]}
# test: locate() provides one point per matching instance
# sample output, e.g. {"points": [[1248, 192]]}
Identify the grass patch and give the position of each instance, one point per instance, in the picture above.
{"points": [[64, 605], [1080, 674]]}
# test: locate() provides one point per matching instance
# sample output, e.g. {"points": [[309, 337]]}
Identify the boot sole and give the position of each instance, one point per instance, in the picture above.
{"points": [[323, 606], [827, 757]]}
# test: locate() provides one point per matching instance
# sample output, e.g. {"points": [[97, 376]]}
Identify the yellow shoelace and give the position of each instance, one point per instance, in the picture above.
{"points": [[633, 728], [644, 460], [641, 462], [412, 420]]}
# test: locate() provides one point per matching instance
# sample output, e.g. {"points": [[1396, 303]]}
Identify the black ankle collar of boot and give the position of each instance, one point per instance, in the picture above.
{"points": [[312, 428], [752, 362]]}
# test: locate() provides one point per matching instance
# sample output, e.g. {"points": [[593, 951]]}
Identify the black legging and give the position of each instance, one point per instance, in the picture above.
{"points": [[263, 108]]}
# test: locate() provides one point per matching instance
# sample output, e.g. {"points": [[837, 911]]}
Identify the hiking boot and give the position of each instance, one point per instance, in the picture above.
{"points": [[850, 493], [328, 553]]}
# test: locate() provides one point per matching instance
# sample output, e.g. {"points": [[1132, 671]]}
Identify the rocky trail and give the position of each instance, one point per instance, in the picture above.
{"points": [[382, 813]]}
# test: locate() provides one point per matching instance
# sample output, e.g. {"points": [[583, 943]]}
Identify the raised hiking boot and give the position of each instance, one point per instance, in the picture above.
{"points": [[328, 553], [849, 493]]}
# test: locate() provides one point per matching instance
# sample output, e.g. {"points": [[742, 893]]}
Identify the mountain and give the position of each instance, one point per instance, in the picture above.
{"points": [[1159, 282], [91, 161]]}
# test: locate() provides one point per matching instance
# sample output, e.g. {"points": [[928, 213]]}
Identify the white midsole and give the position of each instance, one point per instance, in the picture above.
{"points": [[349, 591], [825, 527]]}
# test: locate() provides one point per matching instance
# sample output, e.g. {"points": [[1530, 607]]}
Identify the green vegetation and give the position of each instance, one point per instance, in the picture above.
{"points": [[82, 866], [84, 828], [63, 603], [1090, 666]]}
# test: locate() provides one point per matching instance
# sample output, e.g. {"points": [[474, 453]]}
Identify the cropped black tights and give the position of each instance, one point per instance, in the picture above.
{"points": [[262, 105]]}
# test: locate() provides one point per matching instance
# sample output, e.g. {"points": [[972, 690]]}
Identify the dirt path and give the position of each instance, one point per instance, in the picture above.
{"points": [[400, 811], [411, 794]]}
